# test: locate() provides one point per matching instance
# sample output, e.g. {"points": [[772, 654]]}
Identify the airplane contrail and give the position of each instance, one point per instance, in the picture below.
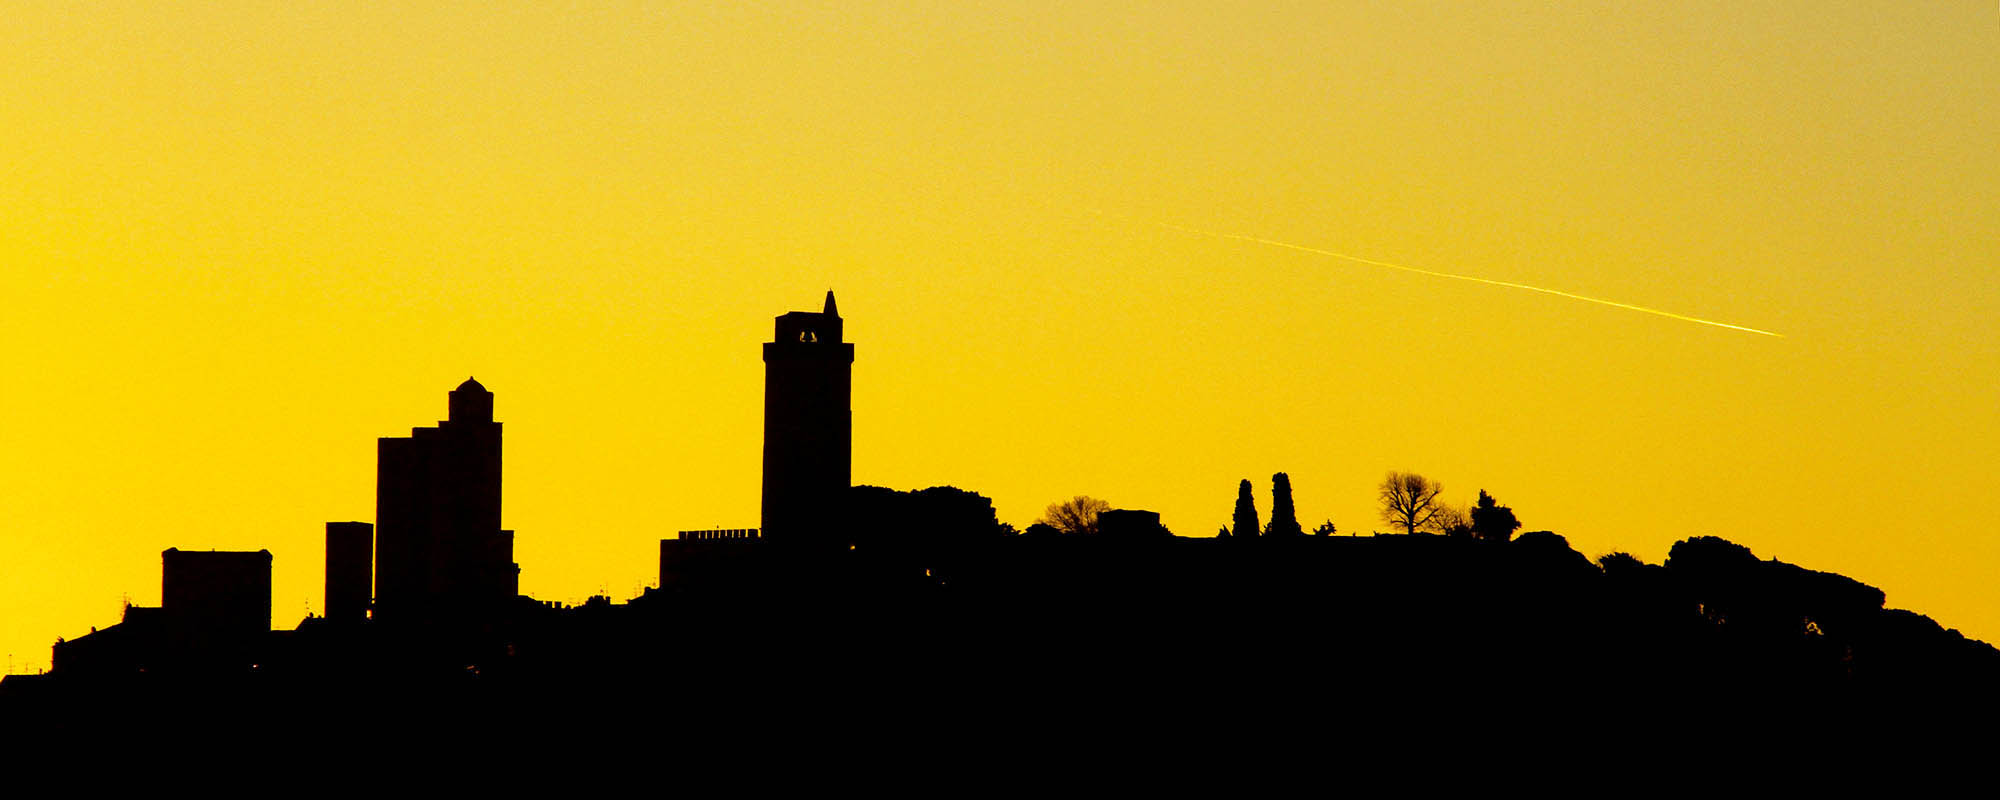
{"points": [[1435, 274]]}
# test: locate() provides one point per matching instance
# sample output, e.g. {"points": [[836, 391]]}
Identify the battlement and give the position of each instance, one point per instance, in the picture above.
{"points": [[713, 557], [718, 533]]}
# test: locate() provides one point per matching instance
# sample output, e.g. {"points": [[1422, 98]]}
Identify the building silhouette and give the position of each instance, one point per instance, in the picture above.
{"points": [[708, 557], [214, 593], [214, 615], [441, 558], [350, 570], [1122, 523], [808, 423]]}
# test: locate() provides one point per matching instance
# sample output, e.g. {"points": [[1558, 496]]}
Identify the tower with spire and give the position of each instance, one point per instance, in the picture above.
{"points": [[808, 422]]}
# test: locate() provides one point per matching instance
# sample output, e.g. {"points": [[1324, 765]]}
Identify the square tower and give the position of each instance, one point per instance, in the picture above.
{"points": [[350, 570], [216, 596], [808, 423], [441, 558]]}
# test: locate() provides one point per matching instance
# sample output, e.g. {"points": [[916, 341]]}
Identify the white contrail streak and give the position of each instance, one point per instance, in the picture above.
{"points": [[1435, 274]]}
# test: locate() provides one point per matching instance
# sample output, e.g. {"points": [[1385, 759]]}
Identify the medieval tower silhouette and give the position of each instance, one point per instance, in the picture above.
{"points": [[808, 424], [441, 557]]}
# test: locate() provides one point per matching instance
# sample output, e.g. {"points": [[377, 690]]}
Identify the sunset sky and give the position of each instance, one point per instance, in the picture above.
{"points": [[239, 241]]}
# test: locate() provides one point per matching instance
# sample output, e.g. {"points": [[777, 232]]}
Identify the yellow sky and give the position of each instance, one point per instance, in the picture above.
{"points": [[239, 241]]}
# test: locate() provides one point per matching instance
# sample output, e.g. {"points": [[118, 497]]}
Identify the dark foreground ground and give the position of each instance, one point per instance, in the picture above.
{"points": [[1027, 639]]}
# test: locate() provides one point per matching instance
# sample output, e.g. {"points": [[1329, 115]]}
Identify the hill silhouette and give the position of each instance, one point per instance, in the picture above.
{"points": [[922, 603]]}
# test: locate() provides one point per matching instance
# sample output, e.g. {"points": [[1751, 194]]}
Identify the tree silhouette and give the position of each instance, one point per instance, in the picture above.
{"points": [[929, 530], [1619, 562], [1408, 500], [1246, 514], [1325, 529], [1075, 515], [1284, 520], [1449, 520], [1492, 521]]}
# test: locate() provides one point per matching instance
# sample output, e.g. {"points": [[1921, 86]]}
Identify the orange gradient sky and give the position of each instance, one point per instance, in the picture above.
{"points": [[239, 241]]}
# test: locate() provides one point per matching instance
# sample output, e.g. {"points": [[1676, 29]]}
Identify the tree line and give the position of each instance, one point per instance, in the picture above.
{"points": [[1407, 500]]}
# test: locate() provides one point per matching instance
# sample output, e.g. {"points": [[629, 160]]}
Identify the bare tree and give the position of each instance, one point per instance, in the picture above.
{"points": [[1075, 515], [1409, 500], [1449, 520]]}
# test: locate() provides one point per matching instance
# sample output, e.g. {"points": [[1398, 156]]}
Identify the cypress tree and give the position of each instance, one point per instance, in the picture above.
{"points": [[1284, 521], [1246, 513]]}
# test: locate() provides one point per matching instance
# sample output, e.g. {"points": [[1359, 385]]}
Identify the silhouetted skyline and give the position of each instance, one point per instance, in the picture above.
{"points": [[887, 578], [243, 243]]}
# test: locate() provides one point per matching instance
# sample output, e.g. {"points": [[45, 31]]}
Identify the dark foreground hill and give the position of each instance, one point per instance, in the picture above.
{"points": [[1011, 634]]}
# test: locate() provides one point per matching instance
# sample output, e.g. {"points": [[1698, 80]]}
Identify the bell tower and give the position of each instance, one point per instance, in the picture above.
{"points": [[808, 423]]}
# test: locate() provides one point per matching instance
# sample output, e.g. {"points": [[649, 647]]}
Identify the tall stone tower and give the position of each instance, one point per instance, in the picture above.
{"points": [[808, 423], [440, 555]]}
